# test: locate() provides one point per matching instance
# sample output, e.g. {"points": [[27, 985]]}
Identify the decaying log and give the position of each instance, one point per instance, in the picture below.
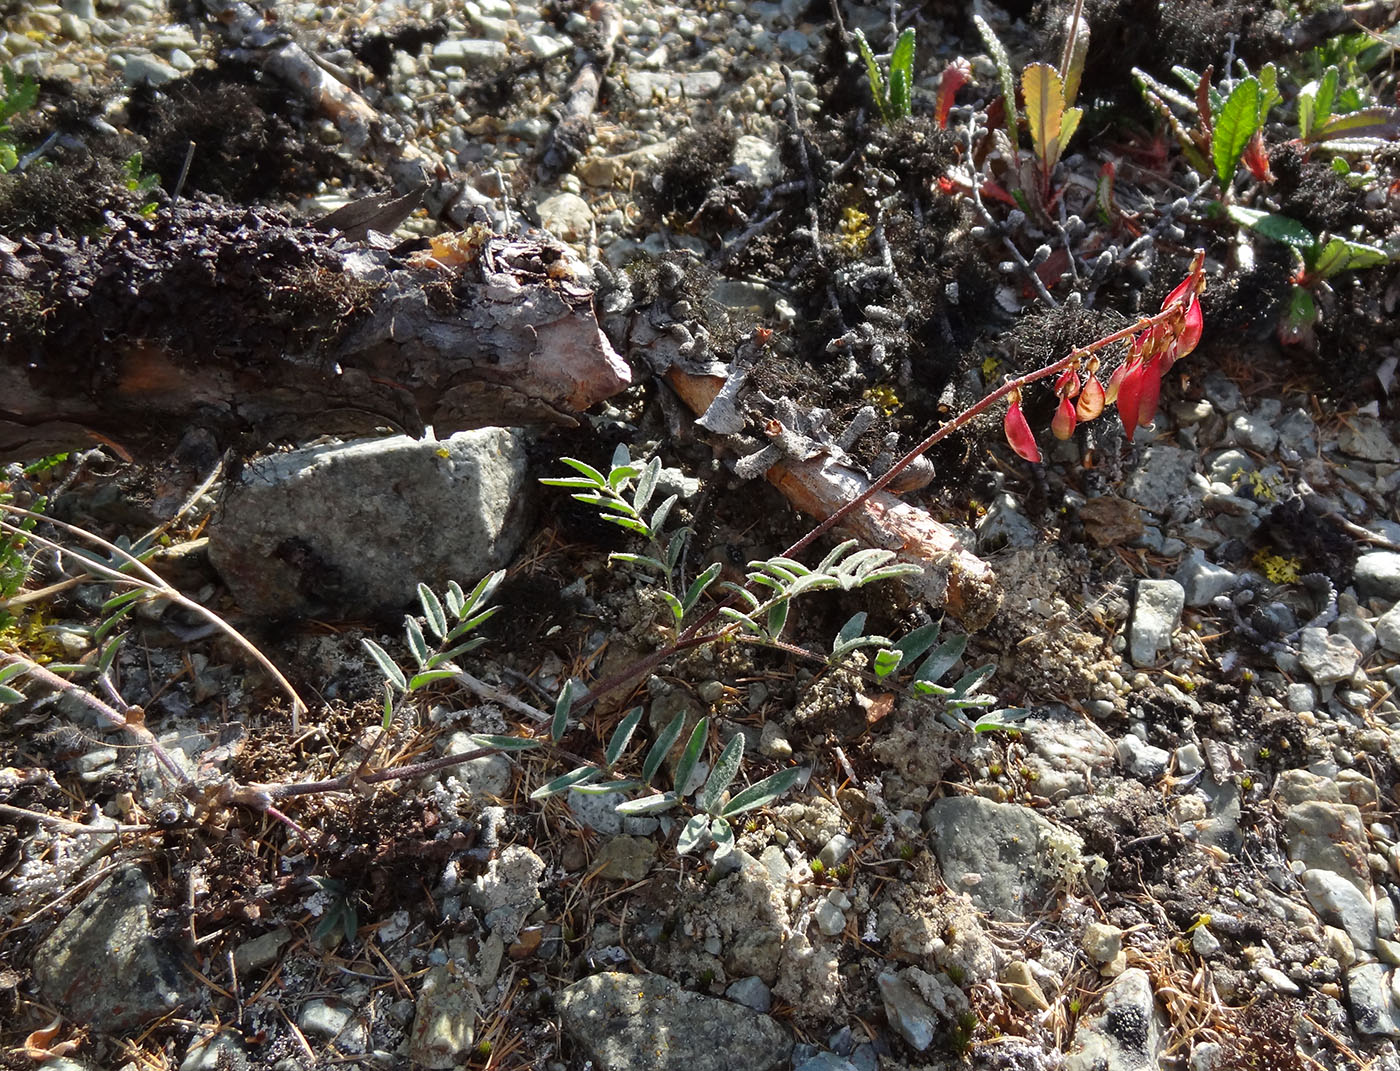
{"points": [[257, 327], [954, 577]]}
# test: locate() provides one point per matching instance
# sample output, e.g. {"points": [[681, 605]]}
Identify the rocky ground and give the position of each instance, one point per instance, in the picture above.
{"points": [[1181, 849]]}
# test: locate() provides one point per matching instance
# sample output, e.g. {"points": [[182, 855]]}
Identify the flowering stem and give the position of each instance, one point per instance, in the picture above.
{"points": [[972, 412]]}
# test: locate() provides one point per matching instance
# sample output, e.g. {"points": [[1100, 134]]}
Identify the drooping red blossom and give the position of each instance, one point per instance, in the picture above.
{"points": [[1091, 399], [1062, 426], [1018, 431]]}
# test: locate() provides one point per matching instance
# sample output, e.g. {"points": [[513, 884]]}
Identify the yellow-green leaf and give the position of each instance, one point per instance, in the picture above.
{"points": [[1236, 124], [1044, 94]]}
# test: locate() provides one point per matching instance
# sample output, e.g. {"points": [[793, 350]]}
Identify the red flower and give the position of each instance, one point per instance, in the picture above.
{"points": [[1018, 431], [1062, 426]]}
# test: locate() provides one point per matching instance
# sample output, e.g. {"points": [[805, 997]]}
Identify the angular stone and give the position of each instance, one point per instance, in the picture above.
{"points": [[1377, 575], [1326, 658], [103, 965], [625, 1021], [351, 529], [1371, 992], [626, 858], [993, 852], [1326, 834], [1156, 613], [1124, 1033], [1341, 903], [444, 1021], [1202, 581]]}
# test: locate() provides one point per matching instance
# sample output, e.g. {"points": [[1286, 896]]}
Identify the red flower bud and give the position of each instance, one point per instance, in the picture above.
{"points": [[1062, 426], [1091, 399], [1018, 432], [1129, 391], [1256, 158], [1150, 389], [1115, 380], [1067, 385]]}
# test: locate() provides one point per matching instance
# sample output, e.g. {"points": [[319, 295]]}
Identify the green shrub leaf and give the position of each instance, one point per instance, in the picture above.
{"points": [[1235, 125]]}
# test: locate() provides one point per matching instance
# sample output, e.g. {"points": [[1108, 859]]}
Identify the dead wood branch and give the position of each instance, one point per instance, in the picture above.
{"points": [[955, 577], [569, 139], [256, 327]]}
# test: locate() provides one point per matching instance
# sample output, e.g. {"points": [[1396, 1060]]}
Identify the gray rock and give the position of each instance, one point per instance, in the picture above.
{"points": [[993, 852], [467, 54], [332, 1020], [1253, 431], [645, 85], [256, 954], [1068, 753], [1141, 759], [625, 858], [831, 913], [1124, 1033], [1162, 477], [566, 216], [624, 1022], [1300, 697], [1370, 990], [1341, 903], [223, 1052], [352, 529], [1223, 394], [757, 160], [1004, 525], [826, 1061], [1201, 581], [1227, 466], [103, 966], [1156, 613], [509, 890], [145, 70], [1298, 432], [488, 776], [909, 1015], [1358, 630], [751, 992], [444, 1020], [836, 849], [1327, 659], [1326, 834], [1377, 575], [596, 812], [1387, 629], [1365, 437]]}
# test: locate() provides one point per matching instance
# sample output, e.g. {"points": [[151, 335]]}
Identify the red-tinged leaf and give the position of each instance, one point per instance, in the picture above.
{"points": [[1129, 391], [1091, 399], [1203, 100], [955, 76], [1018, 432], [1256, 158], [1149, 391], [1062, 426], [1067, 384]]}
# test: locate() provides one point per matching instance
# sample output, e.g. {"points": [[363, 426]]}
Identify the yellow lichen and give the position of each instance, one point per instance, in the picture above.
{"points": [[855, 230], [1276, 568]]}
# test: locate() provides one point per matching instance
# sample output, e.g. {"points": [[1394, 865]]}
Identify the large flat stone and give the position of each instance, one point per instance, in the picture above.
{"points": [[103, 965], [350, 529], [625, 1022]]}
